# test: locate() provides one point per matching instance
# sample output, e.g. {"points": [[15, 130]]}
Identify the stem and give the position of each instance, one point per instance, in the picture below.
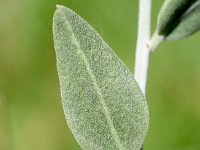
{"points": [[143, 50]]}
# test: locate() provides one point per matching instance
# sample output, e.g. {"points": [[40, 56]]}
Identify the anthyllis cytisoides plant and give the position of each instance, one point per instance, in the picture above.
{"points": [[104, 103]]}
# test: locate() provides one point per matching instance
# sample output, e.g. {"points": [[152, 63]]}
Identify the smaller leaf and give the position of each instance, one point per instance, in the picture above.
{"points": [[170, 14], [189, 24], [178, 19]]}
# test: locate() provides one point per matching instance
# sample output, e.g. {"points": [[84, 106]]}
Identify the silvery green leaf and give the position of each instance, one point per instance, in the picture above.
{"points": [[170, 13], [102, 102], [189, 24], [178, 19]]}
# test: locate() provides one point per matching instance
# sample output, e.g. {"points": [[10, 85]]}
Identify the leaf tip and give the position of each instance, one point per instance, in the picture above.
{"points": [[59, 6]]}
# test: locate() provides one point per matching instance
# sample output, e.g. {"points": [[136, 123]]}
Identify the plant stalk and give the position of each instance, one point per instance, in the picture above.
{"points": [[143, 50]]}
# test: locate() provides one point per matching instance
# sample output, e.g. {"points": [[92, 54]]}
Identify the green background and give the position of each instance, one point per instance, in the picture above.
{"points": [[31, 115]]}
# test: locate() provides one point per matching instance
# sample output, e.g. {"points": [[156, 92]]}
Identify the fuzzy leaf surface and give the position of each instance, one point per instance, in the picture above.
{"points": [[102, 102], [178, 19]]}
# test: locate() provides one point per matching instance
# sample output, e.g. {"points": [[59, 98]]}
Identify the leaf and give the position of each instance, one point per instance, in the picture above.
{"points": [[189, 24], [102, 102], [178, 19], [170, 14]]}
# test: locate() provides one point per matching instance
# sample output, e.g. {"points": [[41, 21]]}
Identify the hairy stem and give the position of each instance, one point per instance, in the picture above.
{"points": [[143, 50]]}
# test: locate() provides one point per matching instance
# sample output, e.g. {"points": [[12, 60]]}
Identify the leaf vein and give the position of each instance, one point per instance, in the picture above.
{"points": [[98, 90]]}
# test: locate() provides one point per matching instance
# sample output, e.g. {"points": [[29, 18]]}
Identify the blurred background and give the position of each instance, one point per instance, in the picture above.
{"points": [[31, 115]]}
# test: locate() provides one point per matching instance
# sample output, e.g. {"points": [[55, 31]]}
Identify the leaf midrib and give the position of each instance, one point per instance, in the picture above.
{"points": [[98, 90]]}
